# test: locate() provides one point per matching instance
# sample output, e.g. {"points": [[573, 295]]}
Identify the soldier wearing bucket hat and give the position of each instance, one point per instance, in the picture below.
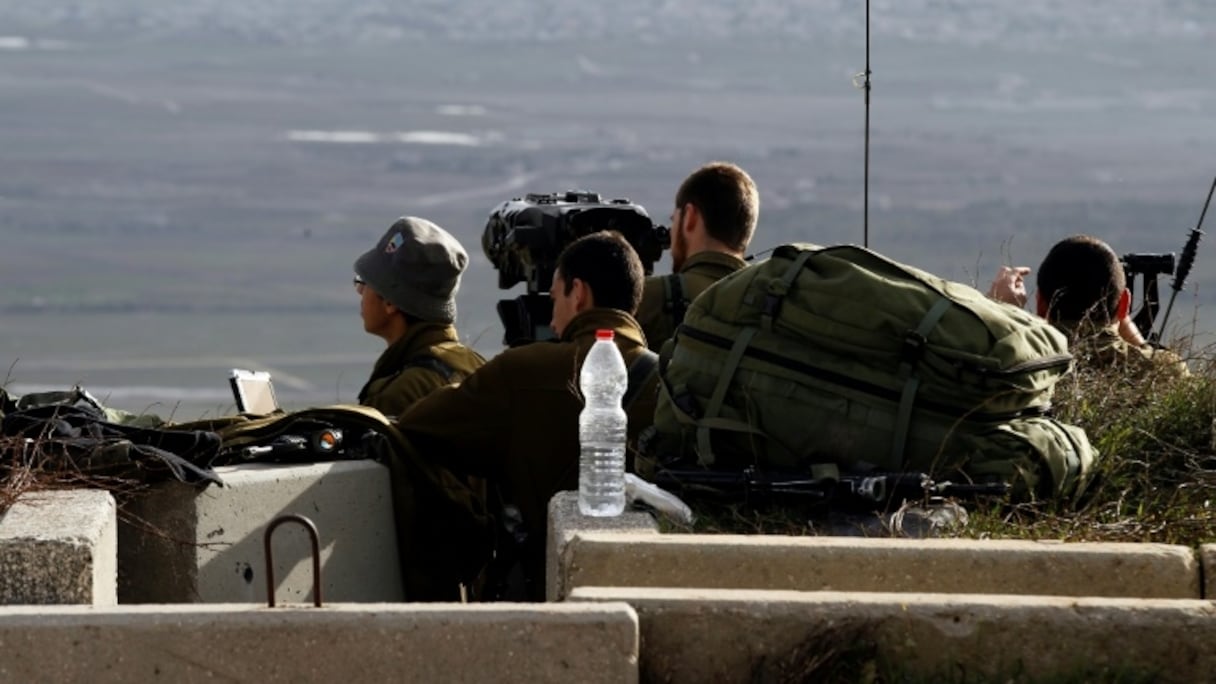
{"points": [[408, 284]]}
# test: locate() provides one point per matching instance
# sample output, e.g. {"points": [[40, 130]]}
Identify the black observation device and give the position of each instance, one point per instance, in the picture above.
{"points": [[524, 236], [1147, 267]]}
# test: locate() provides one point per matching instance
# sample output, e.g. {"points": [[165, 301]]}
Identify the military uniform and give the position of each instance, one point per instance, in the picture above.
{"points": [[515, 422], [1102, 347], [701, 270], [426, 358]]}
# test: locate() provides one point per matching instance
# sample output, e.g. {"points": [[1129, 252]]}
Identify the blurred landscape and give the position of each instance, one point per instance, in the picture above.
{"points": [[185, 186]]}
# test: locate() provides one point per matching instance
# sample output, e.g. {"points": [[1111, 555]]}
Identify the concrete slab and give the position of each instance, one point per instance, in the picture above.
{"points": [[706, 635], [178, 544], [901, 565], [565, 522], [60, 547], [343, 643], [1207, 559]]}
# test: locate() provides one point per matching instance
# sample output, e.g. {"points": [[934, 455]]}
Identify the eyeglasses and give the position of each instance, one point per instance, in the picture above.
{"points": [[358, 282]]}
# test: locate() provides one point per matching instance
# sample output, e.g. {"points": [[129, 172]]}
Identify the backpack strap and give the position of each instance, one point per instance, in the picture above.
{"points": [[704, 449], [778, 289], [911, 353], [432, 363], [676, 301], [639, 372]]}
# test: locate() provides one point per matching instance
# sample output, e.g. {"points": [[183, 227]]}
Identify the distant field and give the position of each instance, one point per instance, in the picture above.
{"points": [[156, 205]]}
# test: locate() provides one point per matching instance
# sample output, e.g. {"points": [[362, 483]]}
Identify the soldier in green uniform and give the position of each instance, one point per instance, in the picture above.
{"points": [[408, 285], [515, 420], [1082, 291], [715, 216]]}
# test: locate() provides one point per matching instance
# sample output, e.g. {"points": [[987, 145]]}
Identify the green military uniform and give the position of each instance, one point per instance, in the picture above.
{"points": [[701, 270], [515, 423], [426, 358], [1102, 347]]}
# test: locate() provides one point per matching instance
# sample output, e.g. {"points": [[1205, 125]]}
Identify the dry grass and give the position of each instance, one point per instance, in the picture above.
{"points": [[1156, 479], [36, 465]]}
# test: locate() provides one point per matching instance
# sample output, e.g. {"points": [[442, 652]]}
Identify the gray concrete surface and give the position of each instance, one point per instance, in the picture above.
{"points": [[565, 522], [705, 635], [897, 565], [344, 643], [184, 545], [59, 547]]}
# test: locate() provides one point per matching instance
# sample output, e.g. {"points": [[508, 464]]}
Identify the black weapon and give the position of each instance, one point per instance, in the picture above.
{"points": [[1184, 265], [752, 485]]}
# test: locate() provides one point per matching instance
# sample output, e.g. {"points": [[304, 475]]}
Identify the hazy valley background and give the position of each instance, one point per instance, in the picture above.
{"points": [[184, 186]]}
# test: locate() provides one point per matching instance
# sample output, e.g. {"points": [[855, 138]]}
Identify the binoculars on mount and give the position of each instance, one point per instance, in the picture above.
{"points": [[1148, 264]]}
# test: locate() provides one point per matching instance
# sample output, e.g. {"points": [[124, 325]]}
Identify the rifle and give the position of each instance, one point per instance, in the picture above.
{"points": [[1184, 265], [753, 485]]}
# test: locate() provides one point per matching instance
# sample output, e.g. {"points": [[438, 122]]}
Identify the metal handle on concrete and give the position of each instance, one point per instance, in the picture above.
{"points": [[316, 555]]}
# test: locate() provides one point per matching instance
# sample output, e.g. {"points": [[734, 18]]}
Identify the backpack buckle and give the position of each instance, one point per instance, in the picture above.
{"points": [[913, 347], [772, 303]]}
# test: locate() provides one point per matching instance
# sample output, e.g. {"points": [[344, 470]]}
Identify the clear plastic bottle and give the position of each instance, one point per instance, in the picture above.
{"points": [[601, 430]]}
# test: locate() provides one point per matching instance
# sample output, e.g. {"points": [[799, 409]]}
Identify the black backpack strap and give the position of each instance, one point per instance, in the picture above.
{"points": [[639, 371], [435, 364], [677, 301], [432, 363]]}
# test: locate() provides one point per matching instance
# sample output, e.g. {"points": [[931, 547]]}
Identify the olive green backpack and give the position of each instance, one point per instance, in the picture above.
{"points": [[839, 356]]}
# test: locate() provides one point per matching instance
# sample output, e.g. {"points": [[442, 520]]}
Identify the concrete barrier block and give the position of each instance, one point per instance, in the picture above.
{"points": [[565, 522], [179, 544], [1207, 558], [708, 635], [899, 565], [60, 547], [342, 643]]}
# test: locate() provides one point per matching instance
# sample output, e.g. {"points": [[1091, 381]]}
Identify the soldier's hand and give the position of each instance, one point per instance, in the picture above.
{"points": [[1009, 285], [1130, 333]]}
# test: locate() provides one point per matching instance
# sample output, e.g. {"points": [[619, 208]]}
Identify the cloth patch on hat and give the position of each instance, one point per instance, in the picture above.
{"points": [[394, 242]]}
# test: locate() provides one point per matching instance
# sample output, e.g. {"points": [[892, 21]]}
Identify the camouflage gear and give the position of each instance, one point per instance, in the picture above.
{"points": [[656, 314], [425, 359], [1102, 347], [515, 422]]}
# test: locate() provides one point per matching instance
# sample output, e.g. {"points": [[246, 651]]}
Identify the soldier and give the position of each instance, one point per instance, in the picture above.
{"points": [[408, 285], [711, 226], [1082, 291], [515, 420]]}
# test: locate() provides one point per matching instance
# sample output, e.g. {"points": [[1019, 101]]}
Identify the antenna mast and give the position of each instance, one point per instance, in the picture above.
{"points": [[866, 183]]}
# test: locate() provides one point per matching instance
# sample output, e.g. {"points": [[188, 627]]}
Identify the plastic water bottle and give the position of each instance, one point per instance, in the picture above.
{"points": [[601, 430]]}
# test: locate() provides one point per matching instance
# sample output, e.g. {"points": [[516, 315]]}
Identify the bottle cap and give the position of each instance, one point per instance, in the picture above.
{"points": [[604, 334]]}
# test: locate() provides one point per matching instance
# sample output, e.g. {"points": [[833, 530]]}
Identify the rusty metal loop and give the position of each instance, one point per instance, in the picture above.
{"points": [[316, 555]]}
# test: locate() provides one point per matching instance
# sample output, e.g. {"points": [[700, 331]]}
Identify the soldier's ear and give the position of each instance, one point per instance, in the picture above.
{"points": [[691, 217], [1040, 304], [584, 298], [1125, 305]]}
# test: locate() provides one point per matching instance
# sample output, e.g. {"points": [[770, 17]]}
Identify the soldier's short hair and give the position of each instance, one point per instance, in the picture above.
{"points": [[1081, 279], [727, 200], [608, 264]]}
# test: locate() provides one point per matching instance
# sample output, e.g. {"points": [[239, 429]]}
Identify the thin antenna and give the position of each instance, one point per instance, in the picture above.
{"points": [[1184, 264], [866, 183]]}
